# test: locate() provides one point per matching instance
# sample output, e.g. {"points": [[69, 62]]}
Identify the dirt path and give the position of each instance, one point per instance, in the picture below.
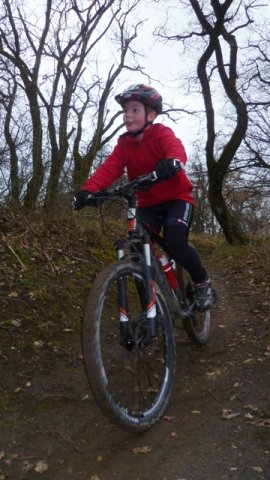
{"points": [[217, 426]]}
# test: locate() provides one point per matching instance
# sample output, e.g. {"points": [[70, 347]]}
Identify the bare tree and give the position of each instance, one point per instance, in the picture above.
{"points": [[104, 128], [256, 149], [12, 50], [13, 136], [215, 34], [204, 221], [7, 100], [56, 61]]}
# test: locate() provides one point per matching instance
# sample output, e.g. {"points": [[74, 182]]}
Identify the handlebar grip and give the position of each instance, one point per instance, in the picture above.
{"points": [[89, 198]]}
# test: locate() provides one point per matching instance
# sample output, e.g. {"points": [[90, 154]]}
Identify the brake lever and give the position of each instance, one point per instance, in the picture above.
{"points": [[95, 199], [147, 181]]}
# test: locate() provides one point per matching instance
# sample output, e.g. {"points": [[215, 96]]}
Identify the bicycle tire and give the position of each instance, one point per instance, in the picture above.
{"points": [[132, 388], [196, 324]]}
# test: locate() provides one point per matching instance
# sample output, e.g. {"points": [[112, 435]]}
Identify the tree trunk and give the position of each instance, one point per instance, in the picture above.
{"points": [[35, 183], [14, 197], [227, 221], [218, 167]]}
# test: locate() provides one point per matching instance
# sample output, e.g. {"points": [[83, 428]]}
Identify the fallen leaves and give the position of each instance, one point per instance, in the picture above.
{"points": [[250, 360], [251, 408], [257, 469], [16, 323], [169, 418], [141, 450], [265, 423], [249, 416], [13, 295], [228, 414], [238, 384], [41, 466], [214, 374], [38, 343]]}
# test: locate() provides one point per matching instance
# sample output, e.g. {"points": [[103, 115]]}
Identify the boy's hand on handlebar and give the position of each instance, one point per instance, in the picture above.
{"points": [[79, 200], [85, 197], [168, 168], [165, 169]]}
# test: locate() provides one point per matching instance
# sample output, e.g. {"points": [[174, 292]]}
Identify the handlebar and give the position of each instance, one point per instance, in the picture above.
{"points": [[128, 189], [125, 190]]}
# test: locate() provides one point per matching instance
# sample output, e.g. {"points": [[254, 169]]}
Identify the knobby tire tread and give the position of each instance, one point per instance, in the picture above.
{"points": [[198, 338], [93, 362]]}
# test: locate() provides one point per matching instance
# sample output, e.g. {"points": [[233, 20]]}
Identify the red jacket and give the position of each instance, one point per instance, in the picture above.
{"points": [[139, 157]]}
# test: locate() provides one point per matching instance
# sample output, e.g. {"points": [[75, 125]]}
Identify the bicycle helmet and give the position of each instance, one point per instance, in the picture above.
{"points": [[144, 94]]}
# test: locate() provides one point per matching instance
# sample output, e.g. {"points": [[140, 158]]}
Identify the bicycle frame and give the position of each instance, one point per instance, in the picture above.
{"points": [[141, 252]]}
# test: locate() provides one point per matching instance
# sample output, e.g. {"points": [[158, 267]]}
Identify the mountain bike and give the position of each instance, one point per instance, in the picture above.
{"points": [[128, 337]]}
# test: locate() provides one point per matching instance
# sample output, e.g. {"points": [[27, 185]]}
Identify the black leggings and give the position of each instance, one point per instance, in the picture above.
{"points": [[175, 218]]}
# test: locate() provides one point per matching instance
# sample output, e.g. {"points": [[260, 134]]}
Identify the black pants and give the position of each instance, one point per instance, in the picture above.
{"points": [[175, 218]]}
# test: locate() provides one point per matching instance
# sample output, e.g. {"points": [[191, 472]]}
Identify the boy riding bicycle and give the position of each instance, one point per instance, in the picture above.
{"points": [[168, 204]]}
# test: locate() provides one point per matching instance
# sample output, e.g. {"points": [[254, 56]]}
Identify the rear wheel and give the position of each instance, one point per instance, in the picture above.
{"points": [[196, 324], [131, 382]]}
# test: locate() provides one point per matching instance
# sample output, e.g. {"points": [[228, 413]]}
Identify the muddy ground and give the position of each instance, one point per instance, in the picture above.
{"points": [[217, 425]]}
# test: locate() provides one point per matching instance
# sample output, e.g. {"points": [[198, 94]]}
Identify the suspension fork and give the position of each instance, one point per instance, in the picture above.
{"points": [[134, 230], [148, 292], [151, 308], [122, 299]]}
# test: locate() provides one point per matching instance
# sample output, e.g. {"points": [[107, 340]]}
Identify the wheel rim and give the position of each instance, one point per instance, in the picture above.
{"points": [[135, 374]]}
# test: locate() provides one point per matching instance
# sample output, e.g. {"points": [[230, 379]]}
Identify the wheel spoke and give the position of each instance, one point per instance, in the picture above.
{"points": [[131, 374], [134, 376]]}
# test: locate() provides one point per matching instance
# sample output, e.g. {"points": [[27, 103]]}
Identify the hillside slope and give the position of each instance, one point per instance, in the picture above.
{"points": [[217, 426]]}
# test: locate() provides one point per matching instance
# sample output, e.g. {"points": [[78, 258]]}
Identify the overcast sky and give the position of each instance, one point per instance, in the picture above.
{"points": [[164, 63]]}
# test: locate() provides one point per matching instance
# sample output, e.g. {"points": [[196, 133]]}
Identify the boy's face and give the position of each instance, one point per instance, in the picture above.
{"points": [[134, 116]]}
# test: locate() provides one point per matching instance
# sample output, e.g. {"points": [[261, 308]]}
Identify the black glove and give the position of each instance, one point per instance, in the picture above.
{"points": [[167, 168], [80, 199]]}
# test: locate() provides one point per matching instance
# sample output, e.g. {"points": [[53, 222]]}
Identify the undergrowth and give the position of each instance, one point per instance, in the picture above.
{"points": [[49, 264]]}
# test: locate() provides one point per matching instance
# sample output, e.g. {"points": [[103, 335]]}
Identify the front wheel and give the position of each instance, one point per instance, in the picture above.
{"points": [[131, 379], [196, 324]]}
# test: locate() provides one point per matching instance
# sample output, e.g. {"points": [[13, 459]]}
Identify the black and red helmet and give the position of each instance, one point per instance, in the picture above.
{"points": [[145, 94]]}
